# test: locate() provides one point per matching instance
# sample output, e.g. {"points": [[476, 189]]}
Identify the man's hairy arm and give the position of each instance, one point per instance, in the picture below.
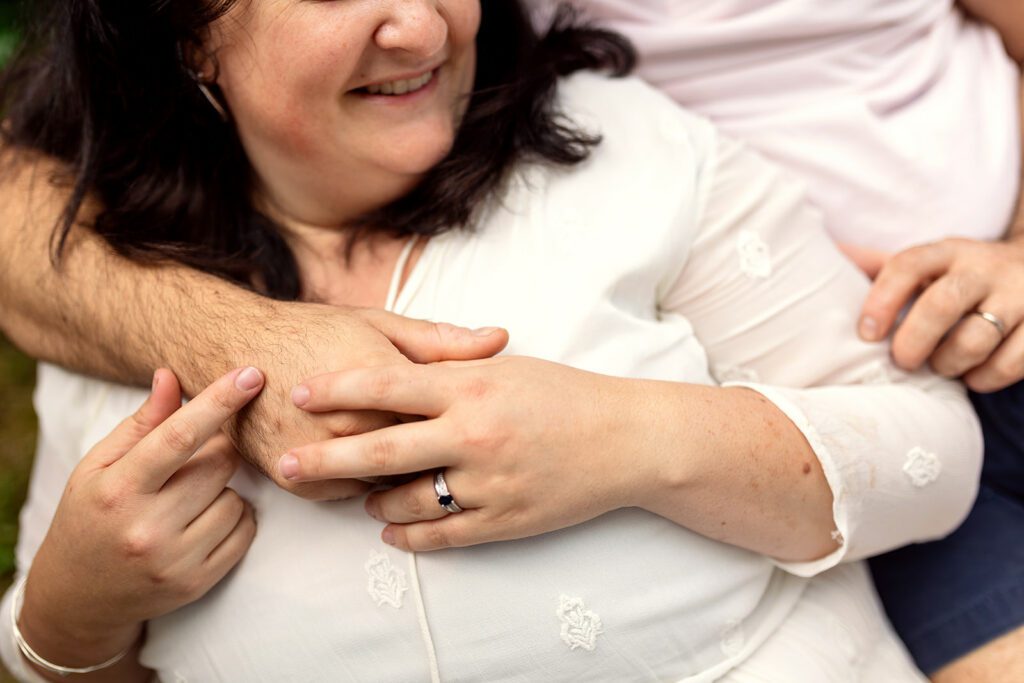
{"points": [[104, 315], [92, 315]]}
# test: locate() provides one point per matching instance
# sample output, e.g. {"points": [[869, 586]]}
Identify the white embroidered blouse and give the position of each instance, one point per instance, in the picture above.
{"points": [[670, 254]]}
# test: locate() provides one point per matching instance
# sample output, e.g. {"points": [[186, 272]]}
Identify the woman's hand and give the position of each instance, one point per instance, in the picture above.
{"points": [[955, 278], [145, 526], [293, 341], [526, 447]]}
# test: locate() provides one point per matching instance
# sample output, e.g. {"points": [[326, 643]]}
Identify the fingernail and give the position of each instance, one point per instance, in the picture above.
{"points": [[869, 328], [156, 379], [485, 331], [248, 379], [371, 509], [300, 395], [288, 466], [388, 536]]}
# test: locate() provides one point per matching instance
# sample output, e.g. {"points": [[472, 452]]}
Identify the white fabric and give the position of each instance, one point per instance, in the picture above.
{"points": [[667, 254], [840, 607], [901, 115]]}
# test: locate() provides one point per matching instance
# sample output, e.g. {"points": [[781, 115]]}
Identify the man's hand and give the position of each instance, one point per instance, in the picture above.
{"points": [[306, 340], [954, 279]]}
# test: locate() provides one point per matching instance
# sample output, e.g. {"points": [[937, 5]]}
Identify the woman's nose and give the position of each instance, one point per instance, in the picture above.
{"points": [[415, 26]]}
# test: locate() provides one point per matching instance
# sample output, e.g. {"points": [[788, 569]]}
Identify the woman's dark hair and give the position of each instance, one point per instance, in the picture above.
{"points": [[101, 85]]}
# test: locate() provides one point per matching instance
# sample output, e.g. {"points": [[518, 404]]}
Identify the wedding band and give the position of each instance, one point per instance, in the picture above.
{"points": [[995, 320], [444, 497]]}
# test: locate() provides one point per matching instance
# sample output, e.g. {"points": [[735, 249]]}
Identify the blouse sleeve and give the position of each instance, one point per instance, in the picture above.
{"points": [[775, 304]]}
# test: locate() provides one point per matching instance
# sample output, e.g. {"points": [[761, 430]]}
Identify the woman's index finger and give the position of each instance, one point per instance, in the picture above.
{"points": [[164, 450]]}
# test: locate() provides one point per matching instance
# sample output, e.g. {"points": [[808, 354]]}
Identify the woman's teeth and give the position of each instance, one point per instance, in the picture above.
{"points": [[401, 87]]}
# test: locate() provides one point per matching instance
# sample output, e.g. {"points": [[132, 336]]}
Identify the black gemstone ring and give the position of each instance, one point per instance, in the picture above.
{"points": [[444, 498]]}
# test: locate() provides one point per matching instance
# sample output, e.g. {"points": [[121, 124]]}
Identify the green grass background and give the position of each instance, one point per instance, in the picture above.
{"points": [[17, 377]]}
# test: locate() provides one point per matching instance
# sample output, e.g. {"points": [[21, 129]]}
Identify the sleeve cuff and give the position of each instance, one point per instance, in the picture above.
{"points": [[841, 513]]}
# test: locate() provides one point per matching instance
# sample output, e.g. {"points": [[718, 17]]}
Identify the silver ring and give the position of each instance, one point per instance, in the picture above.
{"points": [[995, 320], [444, 496]]}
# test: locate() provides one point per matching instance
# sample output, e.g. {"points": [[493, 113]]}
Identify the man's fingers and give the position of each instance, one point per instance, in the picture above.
{"points": [[163, 400], [937, 311], [407, 389], [427, 342], [974, 340], [164, 450], [899, 279], [402, 449], [1003, 368]]}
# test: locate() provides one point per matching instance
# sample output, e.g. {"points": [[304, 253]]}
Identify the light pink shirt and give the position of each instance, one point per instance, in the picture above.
{"points": [[900, 115]]}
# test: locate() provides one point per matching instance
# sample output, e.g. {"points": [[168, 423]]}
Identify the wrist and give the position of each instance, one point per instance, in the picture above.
{"points": [[646, 438], [69, 634], [236, 329]]}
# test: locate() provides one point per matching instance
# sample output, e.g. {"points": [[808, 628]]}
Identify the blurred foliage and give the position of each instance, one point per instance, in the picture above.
{"points": [[10, 12], [17, 443]]}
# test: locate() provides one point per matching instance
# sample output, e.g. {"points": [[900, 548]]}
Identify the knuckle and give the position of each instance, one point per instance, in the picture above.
{"points": [[222, 402], [234, 503], [972, 347], [181, 436], [224, 465], [942, 306], [483, 438], [190, 587], [907, 355], [111, 495], [381, 453], [475, 388], [140, 541], [380, 384], [908, 260], [961, 284], [412, 503], [437, 536]]}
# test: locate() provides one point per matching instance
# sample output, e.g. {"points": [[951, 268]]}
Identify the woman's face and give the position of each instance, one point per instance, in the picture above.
{"points": [[343, 105]]}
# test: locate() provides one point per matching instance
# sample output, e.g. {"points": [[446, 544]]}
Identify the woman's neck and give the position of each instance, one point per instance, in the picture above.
{"points": [[332, 272]]}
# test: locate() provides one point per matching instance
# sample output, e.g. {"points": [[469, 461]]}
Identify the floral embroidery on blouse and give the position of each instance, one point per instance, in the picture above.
{"points": [[922, 467], [386, 583], [580, 626]]}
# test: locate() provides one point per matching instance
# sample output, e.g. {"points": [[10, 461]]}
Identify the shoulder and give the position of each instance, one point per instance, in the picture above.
{"points": [[631, 115], [636, 199]]}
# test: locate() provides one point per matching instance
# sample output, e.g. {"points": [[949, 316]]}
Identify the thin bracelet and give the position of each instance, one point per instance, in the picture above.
{"points": [[32, 656]]}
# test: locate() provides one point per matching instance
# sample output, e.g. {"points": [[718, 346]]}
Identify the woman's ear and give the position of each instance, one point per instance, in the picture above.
{"points": [[199, 63]]}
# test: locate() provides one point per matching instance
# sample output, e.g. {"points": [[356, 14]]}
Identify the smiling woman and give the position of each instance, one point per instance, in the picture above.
{"points": [[653, 524]]}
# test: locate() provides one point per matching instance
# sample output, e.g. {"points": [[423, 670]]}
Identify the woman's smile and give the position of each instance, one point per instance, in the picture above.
{"points": [[400, 88], [343, 107]]}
